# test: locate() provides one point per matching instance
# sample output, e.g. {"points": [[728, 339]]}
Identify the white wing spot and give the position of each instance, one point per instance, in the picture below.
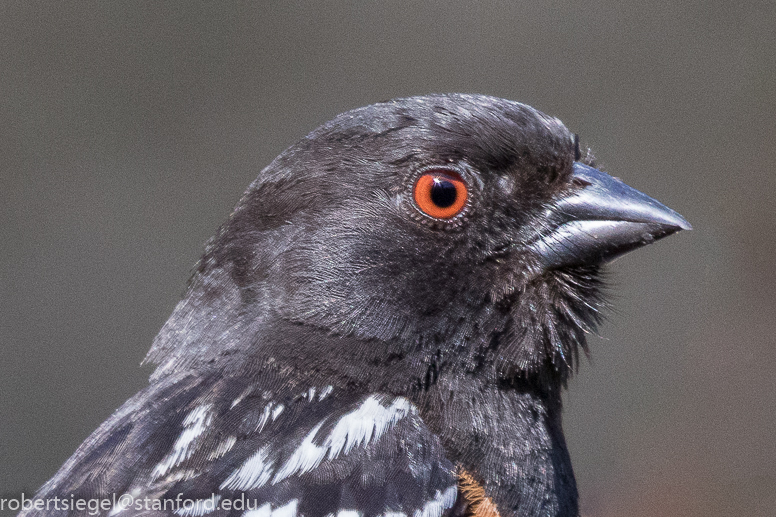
{"points": [[348, 513], [255, 472], [305, 458], [178, 475], [325, 392], [241, 396], [276, 412], [120, 506], [124, 502], [222, 448], [263, 418], [439, 503], [366, 423], [311, 394], [193, 426]]}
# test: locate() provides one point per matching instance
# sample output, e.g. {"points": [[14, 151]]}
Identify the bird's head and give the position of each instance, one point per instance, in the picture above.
{"points": [[463, 227]]}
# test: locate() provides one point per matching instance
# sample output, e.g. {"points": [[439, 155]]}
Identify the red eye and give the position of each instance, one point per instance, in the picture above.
{"points": [[439, 194]]}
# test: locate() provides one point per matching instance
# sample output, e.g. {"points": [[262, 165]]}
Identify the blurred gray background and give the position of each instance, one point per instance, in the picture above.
{"points": [[129, 130]]}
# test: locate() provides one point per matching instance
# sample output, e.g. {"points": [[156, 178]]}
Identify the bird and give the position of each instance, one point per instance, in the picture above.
{"points": [[384, 326]]}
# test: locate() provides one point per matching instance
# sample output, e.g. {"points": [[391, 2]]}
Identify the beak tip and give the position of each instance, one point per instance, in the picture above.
{"points": [[677, 221]]}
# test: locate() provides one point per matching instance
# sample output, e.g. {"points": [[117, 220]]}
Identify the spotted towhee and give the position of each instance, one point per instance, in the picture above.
{"points": [[383, 327]]}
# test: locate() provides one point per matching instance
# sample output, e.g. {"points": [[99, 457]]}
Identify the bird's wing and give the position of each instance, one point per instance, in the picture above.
{"points": [[195, 448]]}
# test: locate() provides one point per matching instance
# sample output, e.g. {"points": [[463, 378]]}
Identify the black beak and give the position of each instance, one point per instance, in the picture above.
{"points": [[603, 220]]}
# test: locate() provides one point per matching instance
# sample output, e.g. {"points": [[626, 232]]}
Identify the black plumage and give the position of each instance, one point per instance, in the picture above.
{"points": [[340, 349]]}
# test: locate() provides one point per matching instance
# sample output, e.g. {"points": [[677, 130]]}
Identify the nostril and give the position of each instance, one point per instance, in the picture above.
{"points": [[580, 182]]}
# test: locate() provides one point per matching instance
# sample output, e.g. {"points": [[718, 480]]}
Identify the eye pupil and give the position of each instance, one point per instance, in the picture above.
{"points": [[443, 193]]}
